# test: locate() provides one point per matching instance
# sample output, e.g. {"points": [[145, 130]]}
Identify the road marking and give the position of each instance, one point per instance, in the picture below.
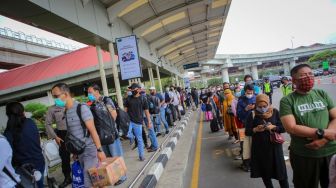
{"points": [[195, 172]]}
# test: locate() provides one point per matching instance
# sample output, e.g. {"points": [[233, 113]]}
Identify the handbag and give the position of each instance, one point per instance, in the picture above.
{"points": [[229, 109], [276, 138], [77, 175]]}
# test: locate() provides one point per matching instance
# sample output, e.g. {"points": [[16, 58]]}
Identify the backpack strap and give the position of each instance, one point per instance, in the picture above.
{"points": [[6, 171], [79, 114]]}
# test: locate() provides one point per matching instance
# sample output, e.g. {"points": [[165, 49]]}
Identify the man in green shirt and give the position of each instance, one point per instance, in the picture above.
{"points": [[309, 116], [286, 87]]}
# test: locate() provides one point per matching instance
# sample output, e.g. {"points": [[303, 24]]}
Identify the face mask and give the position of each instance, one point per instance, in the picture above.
{"points": [[152, 93], [134, 92], [129, 93], [59, 102], [237, 94], [249, 82], [142, 92], [91, 97], [305, 84], [249, 96], [262, 110]]}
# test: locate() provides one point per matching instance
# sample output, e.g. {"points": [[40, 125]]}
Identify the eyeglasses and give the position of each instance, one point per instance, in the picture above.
{"points": [[57, 96]]}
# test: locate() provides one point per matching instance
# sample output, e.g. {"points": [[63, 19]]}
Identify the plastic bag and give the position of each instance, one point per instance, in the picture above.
{"points": [[77, 175]]}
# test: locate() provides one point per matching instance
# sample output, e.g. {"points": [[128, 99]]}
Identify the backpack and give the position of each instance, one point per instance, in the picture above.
{"points": [[167, 98], [123, 121], [104, 123], [153, 104], [73, 144]]}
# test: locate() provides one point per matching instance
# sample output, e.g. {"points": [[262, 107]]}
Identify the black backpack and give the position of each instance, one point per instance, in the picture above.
{"points": [[167, 98], [153, 104], [104, 123], [123, 121]]}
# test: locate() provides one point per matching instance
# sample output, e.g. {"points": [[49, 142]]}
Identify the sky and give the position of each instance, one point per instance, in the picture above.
{"points": [[253, 26], [257, 26]]}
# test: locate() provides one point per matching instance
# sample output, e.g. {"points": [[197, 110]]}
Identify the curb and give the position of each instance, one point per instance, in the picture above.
{"points": [[156, 170]]}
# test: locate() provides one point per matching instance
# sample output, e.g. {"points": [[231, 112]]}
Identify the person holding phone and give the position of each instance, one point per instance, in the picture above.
{"points": [[267, 159]]}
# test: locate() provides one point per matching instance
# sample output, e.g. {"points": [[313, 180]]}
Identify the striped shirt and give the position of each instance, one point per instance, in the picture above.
{"points": [[74, 124]]}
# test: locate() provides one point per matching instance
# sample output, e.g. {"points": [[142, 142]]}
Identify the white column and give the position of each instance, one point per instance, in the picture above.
{"points": [[102, 71], [292, 64], [151, 76], [159, 78], [286, 68], [247, 71], [254, 70], [225, 75], [177, 80], [50, 98], [116, 77]]}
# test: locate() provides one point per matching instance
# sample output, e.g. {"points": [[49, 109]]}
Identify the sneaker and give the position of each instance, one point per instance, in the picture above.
{"points": [[238, 157], [167, 132], [151, 150], [119, 182], [141, 158], [67, 181], [158, 134]]}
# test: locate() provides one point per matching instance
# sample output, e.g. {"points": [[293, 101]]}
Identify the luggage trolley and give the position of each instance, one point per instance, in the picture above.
{"points": [[52, 158]]}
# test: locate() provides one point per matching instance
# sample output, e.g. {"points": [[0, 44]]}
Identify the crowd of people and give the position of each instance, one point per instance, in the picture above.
{"points": [[248, 117], [90, 132], [93, 131]]}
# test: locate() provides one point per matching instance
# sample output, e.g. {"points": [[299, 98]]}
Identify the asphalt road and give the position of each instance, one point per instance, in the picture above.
{"points": [[215, 165]]}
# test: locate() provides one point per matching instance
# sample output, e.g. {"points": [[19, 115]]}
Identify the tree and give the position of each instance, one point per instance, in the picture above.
{"points": [[38, 111], [326, 55]]}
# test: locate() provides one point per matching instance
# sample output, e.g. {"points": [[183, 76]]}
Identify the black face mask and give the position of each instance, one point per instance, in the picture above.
{"points": [[152, 93], [134, 92]]}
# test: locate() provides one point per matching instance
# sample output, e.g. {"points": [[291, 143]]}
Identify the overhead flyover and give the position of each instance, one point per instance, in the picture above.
{"points": [[171, 33]]}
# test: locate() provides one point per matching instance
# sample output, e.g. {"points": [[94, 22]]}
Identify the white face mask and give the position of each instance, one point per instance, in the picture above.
{"points": [[249, 96]]}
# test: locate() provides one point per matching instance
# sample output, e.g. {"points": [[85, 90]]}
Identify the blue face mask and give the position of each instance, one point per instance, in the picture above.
{"points": [[262, 110], [91, 97], [59, 102], [129, 93], [237, 94]]}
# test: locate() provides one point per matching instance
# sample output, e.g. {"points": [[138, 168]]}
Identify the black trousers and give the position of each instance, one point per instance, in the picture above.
{"points": [[64, 154], [310, 172], [269, 96]]}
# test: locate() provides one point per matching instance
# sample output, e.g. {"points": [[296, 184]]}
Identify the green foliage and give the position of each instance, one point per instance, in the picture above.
{"points": [[326, 55], [38, 111], [215, 82]]}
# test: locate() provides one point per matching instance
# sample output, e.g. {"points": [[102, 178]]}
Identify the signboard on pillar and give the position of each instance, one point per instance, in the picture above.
{"points": [[186, 82], [128, 56], [191, 65]]}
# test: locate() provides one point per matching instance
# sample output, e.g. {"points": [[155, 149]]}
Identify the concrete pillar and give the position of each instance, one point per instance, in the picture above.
{"points": [[102, 71], [286, 68], [116, 76], [247, 71], [159, 78], [254, 70], [225, 75], [177, 80], [50, 98], [292, 64], [204, 81], [151, 76]]}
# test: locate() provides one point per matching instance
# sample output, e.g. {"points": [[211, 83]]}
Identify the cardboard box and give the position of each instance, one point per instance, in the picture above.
{"points": [[108, 172]]}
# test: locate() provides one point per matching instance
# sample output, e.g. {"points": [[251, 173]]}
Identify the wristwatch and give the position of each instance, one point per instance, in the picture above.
{"points": [[99, 149], [319, 133]]}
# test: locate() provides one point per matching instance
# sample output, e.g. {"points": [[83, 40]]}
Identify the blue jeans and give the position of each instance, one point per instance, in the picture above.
{"points": [[151, 134], [163, 118], [115, 150], [138, 135]]}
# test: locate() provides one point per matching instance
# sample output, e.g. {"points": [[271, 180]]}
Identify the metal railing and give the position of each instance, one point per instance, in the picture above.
{"points": [[19, 35]]}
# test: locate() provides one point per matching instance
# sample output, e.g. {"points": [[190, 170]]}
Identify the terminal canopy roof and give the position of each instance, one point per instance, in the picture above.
{"points": [[181, 31]]}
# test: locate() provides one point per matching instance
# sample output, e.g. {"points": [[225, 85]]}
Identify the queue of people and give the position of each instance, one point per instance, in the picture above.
{"points": [[307, 114]]}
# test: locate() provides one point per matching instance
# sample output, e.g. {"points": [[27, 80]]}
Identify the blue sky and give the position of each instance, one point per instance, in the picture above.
{"points": [[254, 26]]}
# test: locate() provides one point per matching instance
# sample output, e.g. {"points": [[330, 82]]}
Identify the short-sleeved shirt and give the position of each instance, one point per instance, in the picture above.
{"points": [[311, 110], [74, 124], [135, 108]]}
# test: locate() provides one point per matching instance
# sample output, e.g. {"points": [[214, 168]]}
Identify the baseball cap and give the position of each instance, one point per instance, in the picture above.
{"points": [[152, 88], [134, 86]]}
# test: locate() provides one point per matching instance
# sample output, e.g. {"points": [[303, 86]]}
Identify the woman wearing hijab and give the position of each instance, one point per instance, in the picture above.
{"points": [[228, 115], [267, 158]]}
